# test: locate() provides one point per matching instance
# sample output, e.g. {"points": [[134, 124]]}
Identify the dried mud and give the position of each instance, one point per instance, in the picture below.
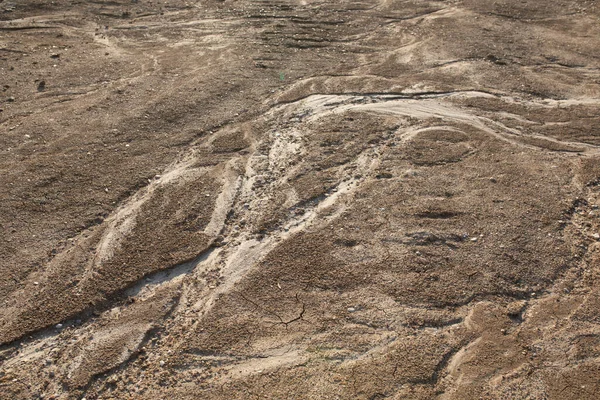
{"points": [[299, 199]]}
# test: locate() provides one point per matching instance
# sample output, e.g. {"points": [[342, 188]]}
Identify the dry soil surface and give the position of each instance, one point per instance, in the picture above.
{"points": [[299, 199]]}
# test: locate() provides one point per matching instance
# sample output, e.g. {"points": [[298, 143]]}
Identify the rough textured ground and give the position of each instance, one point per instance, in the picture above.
{"points": [[297, 199]]}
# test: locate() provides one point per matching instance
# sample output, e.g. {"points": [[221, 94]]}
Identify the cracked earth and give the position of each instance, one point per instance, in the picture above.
{"points": [[299, 199]]}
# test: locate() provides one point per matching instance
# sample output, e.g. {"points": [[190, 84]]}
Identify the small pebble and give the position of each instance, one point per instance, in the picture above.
{"points": [[351, 309], [59, 326]]}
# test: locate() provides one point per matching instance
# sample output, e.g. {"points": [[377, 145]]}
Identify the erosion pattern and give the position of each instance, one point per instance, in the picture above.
{"points": [[376, 199]]}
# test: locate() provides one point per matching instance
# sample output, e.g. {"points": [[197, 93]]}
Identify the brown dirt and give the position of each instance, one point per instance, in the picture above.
{"points": [[299, 199]]}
